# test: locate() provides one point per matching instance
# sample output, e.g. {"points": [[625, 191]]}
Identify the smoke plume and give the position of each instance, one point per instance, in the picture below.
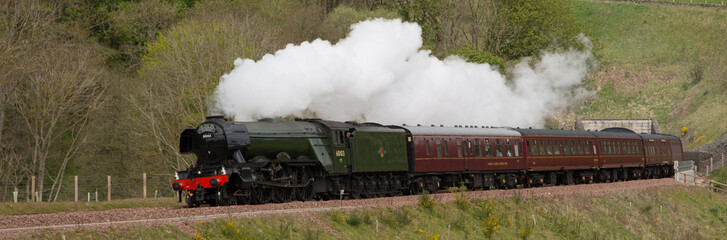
{"points": [[379, 73]]}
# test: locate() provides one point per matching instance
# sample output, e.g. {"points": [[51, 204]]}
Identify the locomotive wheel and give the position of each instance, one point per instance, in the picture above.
{"points": [[357, 187], [281, 195], [223, 196], [260, 195], [383, 186], [300, 176], [369, 187]]}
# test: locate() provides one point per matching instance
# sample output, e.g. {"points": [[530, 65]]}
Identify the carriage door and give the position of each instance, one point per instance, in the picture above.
{"points": [[342, 141], [466, 152]]}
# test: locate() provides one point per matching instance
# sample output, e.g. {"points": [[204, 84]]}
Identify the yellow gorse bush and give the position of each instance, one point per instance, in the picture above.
{"points": [[426, 201]]}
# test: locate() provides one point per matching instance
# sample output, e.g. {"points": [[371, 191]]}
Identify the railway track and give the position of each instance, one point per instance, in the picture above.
{"points": [[16, 226]]}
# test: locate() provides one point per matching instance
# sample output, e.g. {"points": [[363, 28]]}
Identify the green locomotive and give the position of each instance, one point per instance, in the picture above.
{"points": [[279, 161]]}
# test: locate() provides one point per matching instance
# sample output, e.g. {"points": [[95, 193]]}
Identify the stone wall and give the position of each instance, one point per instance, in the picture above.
{"points": [[636, 125]]}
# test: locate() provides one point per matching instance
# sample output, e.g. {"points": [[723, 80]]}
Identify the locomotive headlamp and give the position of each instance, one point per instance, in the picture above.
{"points": [[176, 176]]}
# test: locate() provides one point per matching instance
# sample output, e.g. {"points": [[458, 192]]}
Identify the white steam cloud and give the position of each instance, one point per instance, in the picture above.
{"points": [[378, 73]]}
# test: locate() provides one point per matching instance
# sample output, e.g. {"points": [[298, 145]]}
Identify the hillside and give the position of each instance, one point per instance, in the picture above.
{"points": [[98, 88], [658, 61]]}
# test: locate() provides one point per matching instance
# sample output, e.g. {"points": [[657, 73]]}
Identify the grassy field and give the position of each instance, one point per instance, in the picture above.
{"points": [[50, 207], [716, 2], [658, 61], [677, 212]]}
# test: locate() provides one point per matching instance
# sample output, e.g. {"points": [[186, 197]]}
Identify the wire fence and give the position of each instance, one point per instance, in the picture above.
{"points": [[92, 188]]}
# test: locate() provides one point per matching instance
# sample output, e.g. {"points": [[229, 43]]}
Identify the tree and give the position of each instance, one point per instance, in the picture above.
{"points": [[55, 101], [182, 69], [50, 86], [539, 25]]}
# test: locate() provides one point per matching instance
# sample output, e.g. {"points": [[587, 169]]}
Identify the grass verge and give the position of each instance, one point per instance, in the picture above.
{"points": [[675, 212], [51, 207]]}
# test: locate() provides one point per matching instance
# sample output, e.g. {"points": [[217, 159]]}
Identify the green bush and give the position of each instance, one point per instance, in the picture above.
{"points": [[460, 197], [426, 201], [395, 218], [354, 219], [719, 175], [539, 25], [477, 56]]}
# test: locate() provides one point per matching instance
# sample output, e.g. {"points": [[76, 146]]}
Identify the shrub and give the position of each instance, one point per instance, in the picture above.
{"points": [[396, 218], [460, 197], [354, 219], [312, 234], [477, 56], [484, 209], [524, 232], [337, 216], [231, 231], [539, 25], [426, 201]]}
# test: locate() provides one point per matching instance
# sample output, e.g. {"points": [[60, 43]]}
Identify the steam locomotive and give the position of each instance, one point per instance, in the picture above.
{"points": [[275, 160]]}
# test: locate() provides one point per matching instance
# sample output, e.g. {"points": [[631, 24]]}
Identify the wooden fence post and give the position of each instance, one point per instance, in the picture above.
{"points": [[75, 190], [144, 176], [109, 189], [32, 188]]}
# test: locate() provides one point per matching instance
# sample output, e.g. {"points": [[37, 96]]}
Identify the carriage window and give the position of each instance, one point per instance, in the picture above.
{"points": [[439, 147], [517, 148], [508, 148], [573, 147], [426, 143], [498, 148], [609, 150], [566, 147], [478, 149], [542, 148], [580, 147], [488, 148], [533, 148], [632, 148], [587, 147], [446, 149], [556, 147], [459, 148], [548, 147], [594, 149]]}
